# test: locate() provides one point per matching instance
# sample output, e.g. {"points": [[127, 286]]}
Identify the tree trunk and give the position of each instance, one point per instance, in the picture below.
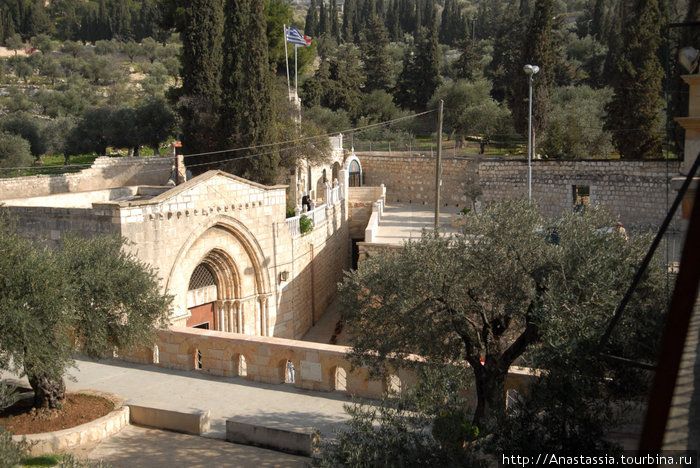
{"points": [[48, 393], [490, 392]]}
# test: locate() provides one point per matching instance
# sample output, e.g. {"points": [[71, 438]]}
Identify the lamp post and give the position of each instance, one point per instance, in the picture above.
{"points": [[530, 70]]}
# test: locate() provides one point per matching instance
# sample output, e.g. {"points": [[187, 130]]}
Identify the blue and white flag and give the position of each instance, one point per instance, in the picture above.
{"points": [[295, 37]]}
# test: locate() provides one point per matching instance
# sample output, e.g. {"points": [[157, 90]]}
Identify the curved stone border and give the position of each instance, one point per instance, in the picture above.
{"points": [[93, 431]]}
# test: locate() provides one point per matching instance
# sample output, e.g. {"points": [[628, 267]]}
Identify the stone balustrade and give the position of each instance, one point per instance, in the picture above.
{"points": [[316, 366]]}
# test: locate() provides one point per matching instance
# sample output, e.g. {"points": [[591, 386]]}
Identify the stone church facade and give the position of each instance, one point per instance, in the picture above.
{"points": [[220, 244]]}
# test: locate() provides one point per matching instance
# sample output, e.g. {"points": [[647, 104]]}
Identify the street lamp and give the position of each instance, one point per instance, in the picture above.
{"points": [[530, 70]]}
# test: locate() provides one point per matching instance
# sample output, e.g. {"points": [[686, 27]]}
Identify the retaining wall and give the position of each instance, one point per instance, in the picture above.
{"points": [[633, 191], [105, 172], [317, 366]]}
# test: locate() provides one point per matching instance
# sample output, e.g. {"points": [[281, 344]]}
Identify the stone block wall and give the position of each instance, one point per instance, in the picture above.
{"points": [[49, 224], [633, 191], [360, 201], [105, 172], [316, 365], [315, 262]]}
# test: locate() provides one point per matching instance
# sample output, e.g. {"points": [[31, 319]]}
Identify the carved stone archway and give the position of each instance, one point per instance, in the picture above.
{"points": [[227, 249]]}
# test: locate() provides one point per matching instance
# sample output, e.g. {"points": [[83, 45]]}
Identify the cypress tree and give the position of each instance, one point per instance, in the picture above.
{"points": [[246, 89], [420, 75], [375, 57], [468, 61], [349, 11], [541, 49], [335, 24], [311, 24], [393, 23], [201, 75], [323, 26], [633, 112]]}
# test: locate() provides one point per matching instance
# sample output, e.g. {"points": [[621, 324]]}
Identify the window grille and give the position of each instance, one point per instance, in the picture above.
{"points": [[201, 277]]}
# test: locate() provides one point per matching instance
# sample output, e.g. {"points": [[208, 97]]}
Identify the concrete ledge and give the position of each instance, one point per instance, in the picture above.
{"points": [[297, 442], [93, 431], [195, 422]]}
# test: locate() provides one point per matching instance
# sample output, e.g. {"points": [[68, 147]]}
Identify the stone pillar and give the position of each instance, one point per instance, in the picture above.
{"points": [[691, 124], [264, 308], [239, 317]]}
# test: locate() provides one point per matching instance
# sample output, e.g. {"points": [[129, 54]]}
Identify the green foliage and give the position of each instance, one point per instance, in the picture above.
{"points": [[497, 291], [305, 224], [116, 298], [574, 129], [150, 48], [376, 62], [42, 42], [420, 76], [331, 121], [29, 128], [90, 295], [424, 426], [337, 83], [201, 74], [541, 48], [470, 110], [73, 48], [633, 113], [378, 106], [246, 90], [14, 151], [8, 395], [11, 452], [131, 49], [277, 14], [106, 47], [14, 43]]}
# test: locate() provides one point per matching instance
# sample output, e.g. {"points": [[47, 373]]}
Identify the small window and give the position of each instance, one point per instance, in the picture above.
{"points": [[581, 196]]}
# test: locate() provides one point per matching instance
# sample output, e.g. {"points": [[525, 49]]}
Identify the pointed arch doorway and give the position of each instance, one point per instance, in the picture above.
{"points": [[213, 293]]}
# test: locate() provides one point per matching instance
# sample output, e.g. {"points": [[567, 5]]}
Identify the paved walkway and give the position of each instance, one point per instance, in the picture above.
{"points": [[136, 446], [404, 221], [282, 406]]}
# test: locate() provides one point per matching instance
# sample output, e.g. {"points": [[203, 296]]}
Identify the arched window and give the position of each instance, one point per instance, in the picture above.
{"points": [[355, 174], [201, 294]]}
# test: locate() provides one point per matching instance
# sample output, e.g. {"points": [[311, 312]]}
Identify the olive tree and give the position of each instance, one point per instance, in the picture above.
{"points": [[483, 299], [14, 151], [90, 296]]}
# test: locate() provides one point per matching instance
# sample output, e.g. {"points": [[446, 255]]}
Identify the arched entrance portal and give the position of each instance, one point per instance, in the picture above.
{"points": [[220, 282]]}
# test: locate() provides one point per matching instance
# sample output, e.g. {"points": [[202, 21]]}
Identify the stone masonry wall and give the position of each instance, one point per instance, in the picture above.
{"points": [[105, 172], [360, 201], [316, 364], [315, 262], [633, 191], [49, 224]]}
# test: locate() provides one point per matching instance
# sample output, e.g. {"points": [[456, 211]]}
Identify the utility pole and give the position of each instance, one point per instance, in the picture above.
{"points": [[438, 168]]}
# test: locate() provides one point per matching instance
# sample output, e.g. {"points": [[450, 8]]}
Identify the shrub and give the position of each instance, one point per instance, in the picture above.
{"points": [[305, 224]]}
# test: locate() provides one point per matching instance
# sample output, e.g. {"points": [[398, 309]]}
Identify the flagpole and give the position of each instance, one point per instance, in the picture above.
{"points": [[296, 77], [286, 57]]}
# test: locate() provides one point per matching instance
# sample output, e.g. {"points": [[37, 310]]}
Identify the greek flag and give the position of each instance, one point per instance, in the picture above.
{"points": [[295, 37]]}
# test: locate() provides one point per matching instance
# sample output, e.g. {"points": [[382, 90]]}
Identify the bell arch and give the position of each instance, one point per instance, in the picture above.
{"points": [[226, 249]]}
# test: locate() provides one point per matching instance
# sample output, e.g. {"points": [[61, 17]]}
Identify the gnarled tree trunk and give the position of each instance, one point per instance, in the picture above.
{"points": [[48, 392]]}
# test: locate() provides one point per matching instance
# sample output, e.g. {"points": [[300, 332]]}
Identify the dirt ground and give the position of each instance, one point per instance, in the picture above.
{"points": [[78, 409]]}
